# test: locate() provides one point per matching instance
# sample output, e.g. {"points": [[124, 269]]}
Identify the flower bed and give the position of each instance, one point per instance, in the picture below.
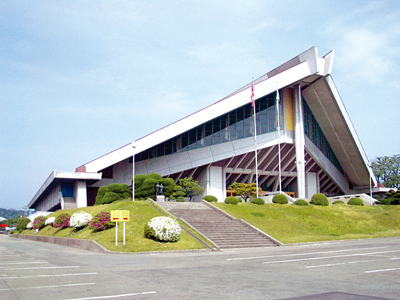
{"points": [[80, 219], [163, 229], [39, 222], [50, 221], [62, 221], [101, 221]]}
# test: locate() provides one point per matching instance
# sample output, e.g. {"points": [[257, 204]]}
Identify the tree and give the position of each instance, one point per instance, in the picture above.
{"points": [[191, 187], [244, 190], [387, 170], [145, 185]]}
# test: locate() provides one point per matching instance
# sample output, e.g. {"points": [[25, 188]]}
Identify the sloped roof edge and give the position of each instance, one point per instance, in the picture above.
{"points": [[300, 67]]}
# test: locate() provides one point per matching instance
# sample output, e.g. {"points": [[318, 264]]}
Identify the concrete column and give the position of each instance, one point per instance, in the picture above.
{"points": [[215, 179], [311, 184], [80, 194], [299, 143]]}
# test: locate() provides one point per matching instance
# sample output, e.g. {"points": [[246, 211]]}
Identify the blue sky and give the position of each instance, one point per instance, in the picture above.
{"points": [[79, 79]]}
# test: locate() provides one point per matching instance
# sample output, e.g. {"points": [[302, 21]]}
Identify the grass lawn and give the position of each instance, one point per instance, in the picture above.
{"points": [[295, 224], [140, 214]]}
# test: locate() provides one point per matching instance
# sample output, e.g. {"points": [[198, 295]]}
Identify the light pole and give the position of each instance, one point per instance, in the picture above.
{"points": [[370, 181], [133, 144]]}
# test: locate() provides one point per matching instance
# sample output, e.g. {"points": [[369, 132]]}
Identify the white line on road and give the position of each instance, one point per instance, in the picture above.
{"points": [[307, 253], [50, 286], [24, 263], [115, 296], [327, 257], [31, 268], [52, 275], [383, 270], [338, 264]]}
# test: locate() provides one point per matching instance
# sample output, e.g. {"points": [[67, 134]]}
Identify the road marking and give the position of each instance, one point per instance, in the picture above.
{"points": [[50, 286], [31, 268], [300, 254], [338, 264], [39, 276], [326, 257], [115, 296], [23, 263], [383, 270]]}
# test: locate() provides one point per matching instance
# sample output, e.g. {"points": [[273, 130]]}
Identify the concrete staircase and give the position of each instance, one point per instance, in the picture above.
{"points": [[223, 230]]}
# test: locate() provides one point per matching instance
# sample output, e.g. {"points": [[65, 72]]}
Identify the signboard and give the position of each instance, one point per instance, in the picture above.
{"points": [[120, 216], [125, 215], [3, 225], [116, 216]]}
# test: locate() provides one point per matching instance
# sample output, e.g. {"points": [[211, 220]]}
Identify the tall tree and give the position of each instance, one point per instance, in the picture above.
{"points": [[387, 170]]}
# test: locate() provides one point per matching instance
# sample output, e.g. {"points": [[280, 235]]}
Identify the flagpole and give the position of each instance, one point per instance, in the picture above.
{"points": [[279, 140], [255, 133]]}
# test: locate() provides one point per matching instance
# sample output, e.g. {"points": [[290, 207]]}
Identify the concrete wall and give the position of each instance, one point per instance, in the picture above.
{"points": [[52, 199]]}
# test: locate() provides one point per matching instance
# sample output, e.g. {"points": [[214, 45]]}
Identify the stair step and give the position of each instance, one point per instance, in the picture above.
{"points": [[224, 231]]}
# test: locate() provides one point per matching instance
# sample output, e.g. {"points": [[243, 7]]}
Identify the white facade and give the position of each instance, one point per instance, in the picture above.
{"points": [[304, 167]]}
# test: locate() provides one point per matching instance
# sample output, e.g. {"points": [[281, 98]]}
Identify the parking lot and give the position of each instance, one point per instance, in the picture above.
{"points": [[359, 269]]}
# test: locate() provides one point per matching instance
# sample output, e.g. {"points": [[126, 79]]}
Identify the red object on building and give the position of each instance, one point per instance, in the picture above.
{"points": [[3, 225]]}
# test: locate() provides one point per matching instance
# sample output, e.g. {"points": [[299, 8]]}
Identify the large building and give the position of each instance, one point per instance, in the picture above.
{"points": [[315, 148]]}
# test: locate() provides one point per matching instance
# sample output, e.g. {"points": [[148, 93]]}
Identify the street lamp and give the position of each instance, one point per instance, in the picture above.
{"points": [[133, 144], [370, 181]]}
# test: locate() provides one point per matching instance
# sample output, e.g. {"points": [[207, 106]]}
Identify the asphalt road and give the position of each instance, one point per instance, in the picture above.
{"points": [[357, 269]]}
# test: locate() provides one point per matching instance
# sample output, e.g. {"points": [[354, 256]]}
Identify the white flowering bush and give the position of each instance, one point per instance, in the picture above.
{"points": [[29, 225], [164, 229], [80, 219], [50, 221]]}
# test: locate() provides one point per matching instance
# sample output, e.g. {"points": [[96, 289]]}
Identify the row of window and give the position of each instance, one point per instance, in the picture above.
{"points": [[237, 124], [315, 134]]}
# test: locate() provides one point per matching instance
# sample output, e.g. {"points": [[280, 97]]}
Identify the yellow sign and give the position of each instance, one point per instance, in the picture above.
{"points": [[120, 216], [125, 215]]}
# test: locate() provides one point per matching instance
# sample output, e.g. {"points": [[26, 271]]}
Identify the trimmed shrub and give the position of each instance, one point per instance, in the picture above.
{"points": [[180, 199], [232, 200], [386, 201], [319, 199], [163, 229], [301, 202], [113, 192], [50, 221], [39, 222], [210, 198], [355, 201], [61, 221], [258, 201], [280, 199], [178, 192], [338, 202], [22, 222], [80, 219], [101, 221]]}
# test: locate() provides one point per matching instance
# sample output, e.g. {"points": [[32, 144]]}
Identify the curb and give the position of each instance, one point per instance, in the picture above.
{"points": [[75, 243]]}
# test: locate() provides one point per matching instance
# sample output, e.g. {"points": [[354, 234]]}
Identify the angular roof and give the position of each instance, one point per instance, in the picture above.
{"points": [[309, 71]]}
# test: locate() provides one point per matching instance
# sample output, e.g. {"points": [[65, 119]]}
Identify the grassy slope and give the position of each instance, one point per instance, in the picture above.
{"points": [[294, 224], [140, 214]]}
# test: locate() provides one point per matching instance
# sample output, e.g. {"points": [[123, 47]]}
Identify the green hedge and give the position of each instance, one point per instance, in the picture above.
{"points": [[210, 198], [280, 199], [231, 200], [301, 202], [356, 201], [338, 202], [319, 199], [258, 201]]}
